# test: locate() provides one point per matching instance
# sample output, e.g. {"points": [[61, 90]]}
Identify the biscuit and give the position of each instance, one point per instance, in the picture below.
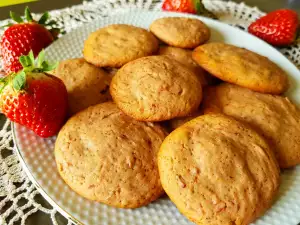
{"points": [[156, 88], [242, 67], [180, 32], [218, 171], [184, 56], [118, 44], [108, 157], [86, 84], [274, 117]]}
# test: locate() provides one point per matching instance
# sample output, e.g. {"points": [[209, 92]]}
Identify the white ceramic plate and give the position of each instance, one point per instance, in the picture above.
{"points": [[36, 154]]}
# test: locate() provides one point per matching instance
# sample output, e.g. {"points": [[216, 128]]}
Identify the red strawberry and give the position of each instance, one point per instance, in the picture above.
{"points": [[278, 28], [33, 98], [187, 6], [24, 36]]}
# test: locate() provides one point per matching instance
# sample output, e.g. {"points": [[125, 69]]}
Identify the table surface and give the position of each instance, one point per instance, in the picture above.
{"points": [[43, 5]]}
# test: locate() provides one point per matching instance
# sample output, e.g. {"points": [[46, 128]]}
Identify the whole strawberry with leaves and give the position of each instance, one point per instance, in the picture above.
{"points": [[187, 6], [33, 98], [24, 36]]}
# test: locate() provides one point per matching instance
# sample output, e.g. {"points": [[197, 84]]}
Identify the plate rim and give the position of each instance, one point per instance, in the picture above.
{"points": [[18, 150], [32, 179]]}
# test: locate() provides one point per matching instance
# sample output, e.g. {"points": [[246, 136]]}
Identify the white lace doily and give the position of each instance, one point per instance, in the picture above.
{"points": [[18, 196]]}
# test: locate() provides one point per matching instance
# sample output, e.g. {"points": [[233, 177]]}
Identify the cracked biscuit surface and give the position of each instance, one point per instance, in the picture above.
{"points": [[118, 44], [180, 32], [108, 157], [242, 67], [218, 171], [86, 84], [274, 117], [156, 88]]}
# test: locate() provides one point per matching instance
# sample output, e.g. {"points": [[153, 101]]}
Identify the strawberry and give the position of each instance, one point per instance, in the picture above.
{"points": [[33, 98], [187, 6], [18, 39], [278, 28]]}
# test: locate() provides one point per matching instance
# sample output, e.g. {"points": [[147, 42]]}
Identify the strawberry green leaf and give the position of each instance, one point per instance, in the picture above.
{"points": [[36, 66], [25, 61], [6, 25], [19, 81], [40, 58], [28, 15], [31, 57], [44, 18], [3, 83], [201, 10], [2, 79], [51, 23], [48, 67], [16, 17]]}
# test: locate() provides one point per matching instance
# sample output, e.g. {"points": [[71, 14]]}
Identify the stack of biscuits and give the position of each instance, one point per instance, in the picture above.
{"points": [[166, 111]]}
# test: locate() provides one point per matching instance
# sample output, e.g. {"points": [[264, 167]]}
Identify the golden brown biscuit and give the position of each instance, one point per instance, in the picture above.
{"points": [[86, 84], [118, 44], [184, 56], [218, 171], [180, 32], [274, 117], [108, 157], [156, 88], [242, 67]]}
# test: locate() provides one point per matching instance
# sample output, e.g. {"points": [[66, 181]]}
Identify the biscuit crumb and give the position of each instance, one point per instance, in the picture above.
{"points": [[194, 171], [181, 181]]}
